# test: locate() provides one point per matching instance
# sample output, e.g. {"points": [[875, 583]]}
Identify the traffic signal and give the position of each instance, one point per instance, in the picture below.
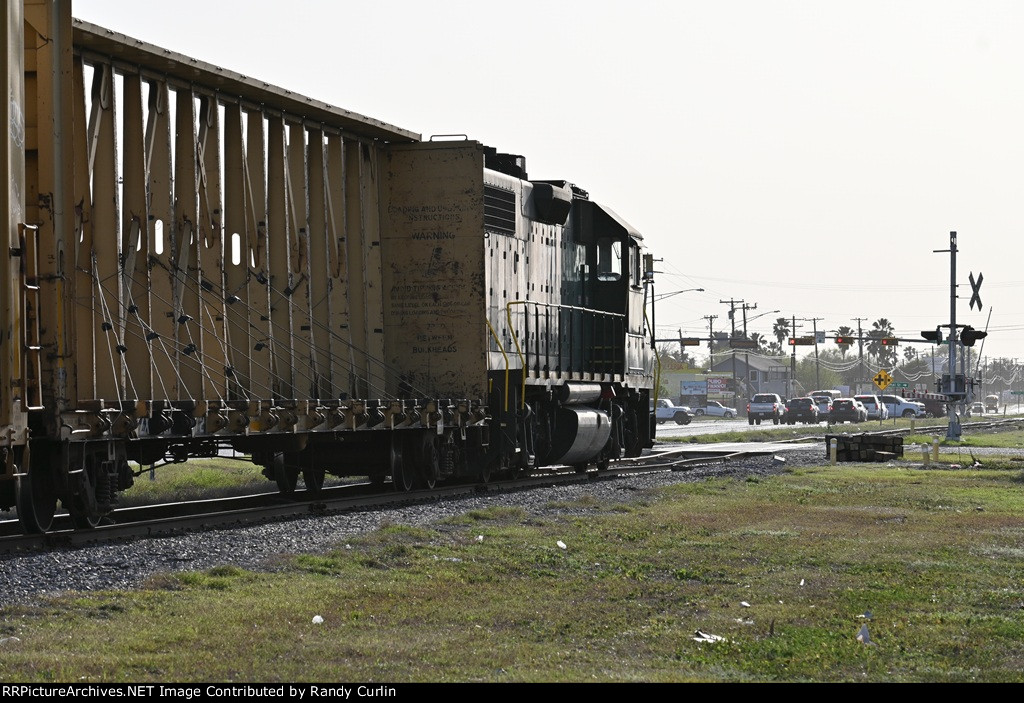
{"points": [[844, 340], [970, 335], [889, 341], [933, 335], [792, 341]]}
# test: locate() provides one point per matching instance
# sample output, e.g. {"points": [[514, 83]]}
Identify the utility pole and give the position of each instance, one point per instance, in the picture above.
{"points": [[792, 365], [711, 339], [860, 346], [732, 319], [746, 357], [817, 369]]}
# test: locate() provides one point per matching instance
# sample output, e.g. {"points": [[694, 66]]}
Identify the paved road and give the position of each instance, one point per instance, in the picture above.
{"points": [[707, 425]]}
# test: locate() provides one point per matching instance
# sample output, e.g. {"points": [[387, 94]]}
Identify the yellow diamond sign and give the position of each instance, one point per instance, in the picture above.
{"points": [[882, 379]]}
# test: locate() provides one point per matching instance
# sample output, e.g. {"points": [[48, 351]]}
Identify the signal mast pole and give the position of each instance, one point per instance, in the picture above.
{"points": [[953, 432]]}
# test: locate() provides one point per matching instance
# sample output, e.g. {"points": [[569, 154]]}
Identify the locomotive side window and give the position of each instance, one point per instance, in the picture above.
{"points": [[609, 259], [634, 265]]}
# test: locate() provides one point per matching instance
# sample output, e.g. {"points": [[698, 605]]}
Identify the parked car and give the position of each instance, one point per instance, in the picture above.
{"points": [[765, 406], [875, 407], [715, 409], [801, 410], [666, 410], [848, 410], [901, 407]]}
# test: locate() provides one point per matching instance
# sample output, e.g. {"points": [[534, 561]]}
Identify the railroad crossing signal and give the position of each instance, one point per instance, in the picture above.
{"points": [[976, 290], [969, 335], [882, 379]]}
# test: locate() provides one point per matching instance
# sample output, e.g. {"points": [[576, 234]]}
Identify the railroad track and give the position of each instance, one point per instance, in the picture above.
{"points": [[175, 518], [221, 513]]}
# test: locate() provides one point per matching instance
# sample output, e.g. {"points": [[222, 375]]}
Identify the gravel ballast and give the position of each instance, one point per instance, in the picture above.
{"points": [[25, 577]]}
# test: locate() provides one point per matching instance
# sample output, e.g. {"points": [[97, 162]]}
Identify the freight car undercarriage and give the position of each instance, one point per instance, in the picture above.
{"points": [[407, 442]]}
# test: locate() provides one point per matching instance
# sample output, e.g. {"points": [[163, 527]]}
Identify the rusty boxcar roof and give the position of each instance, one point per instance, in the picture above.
{"points": [[135, 54]]}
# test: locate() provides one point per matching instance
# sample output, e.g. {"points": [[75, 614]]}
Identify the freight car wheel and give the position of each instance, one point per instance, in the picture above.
{"points": [[403, 474], [313, 472], [85, 521], [313, 477], [428, 460], [37, 502], [286, 476]]}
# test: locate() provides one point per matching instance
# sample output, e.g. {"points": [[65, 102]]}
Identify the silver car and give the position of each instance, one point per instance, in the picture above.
{"points": [[876, 409]]}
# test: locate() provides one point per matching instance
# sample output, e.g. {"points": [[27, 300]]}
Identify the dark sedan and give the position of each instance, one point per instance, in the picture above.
{"points": [[801, 410], [848, 410]]}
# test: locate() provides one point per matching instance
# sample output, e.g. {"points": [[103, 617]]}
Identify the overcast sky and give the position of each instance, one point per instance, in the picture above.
{"points": [[804, 156]]}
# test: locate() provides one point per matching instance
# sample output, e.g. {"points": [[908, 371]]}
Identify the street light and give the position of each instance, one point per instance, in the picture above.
{"points": [[770, 312], [662, 296]]}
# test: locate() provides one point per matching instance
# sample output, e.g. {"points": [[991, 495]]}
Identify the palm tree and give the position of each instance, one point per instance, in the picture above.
{"points": [[758, 339], [845, 331], [881, 328], [781, 330]]}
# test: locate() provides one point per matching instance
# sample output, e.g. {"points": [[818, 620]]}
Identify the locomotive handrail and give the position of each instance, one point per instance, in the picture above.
{"points": [[657, 362], [519, 350], [554, 306], [504, 355]]}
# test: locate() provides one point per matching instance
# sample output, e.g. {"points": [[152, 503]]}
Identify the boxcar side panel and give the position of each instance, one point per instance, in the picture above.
{"points": [[433, 250]]}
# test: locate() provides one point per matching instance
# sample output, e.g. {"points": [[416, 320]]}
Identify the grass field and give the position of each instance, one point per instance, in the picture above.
{"points": [[786, 570]]}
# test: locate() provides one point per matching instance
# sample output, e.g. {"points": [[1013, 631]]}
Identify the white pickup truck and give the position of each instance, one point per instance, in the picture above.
{"points": [[765, 406], [667, 410], [901, 407]]}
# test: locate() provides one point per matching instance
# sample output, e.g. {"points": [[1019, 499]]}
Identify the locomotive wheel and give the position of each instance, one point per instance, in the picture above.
{"points": [[403, 474], [37, 502], [285, 476]]}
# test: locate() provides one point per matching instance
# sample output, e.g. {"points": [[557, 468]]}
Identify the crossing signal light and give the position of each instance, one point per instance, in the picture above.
{"points": [[933, 335], [970, 335]]}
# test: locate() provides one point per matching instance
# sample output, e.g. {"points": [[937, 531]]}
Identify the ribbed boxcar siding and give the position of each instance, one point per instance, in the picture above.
{"points": [[135, 242], [205, 237], [159, 338], [240, 227], [210, 243], [49, 191], [433, 249], [12, 160]]}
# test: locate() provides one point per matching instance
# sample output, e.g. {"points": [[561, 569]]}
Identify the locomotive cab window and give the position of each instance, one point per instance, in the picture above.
{"points": [[609, 259], [635, 279]]}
